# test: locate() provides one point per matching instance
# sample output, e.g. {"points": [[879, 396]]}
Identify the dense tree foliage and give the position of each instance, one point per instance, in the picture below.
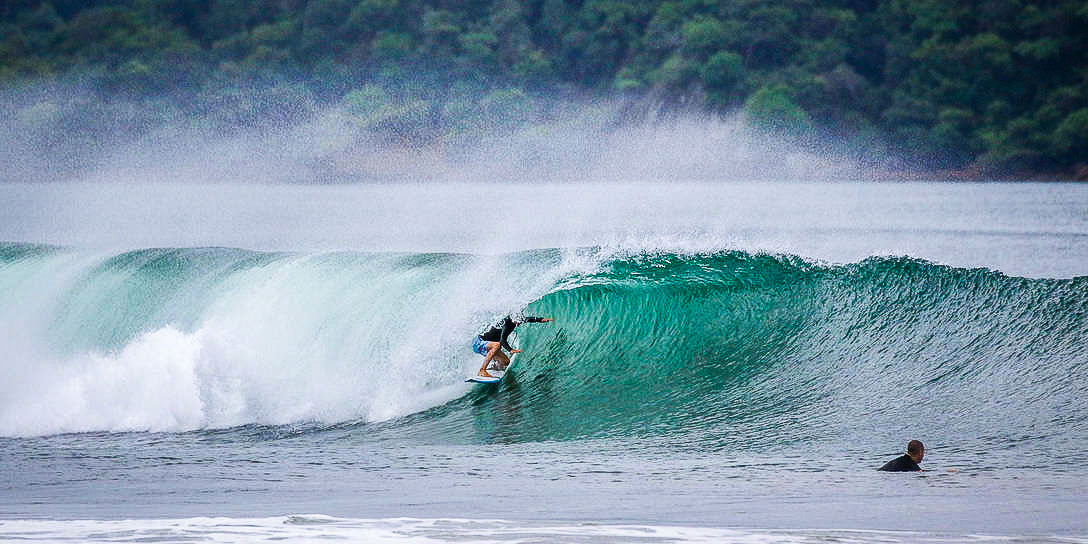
{"points": [[998, 84]]}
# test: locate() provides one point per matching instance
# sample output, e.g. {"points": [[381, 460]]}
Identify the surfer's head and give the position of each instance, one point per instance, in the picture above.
{"points": [[916, 450]]}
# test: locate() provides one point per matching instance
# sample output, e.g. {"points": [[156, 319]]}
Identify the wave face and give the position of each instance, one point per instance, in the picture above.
{"points": [[740, 349], [727, 349]]}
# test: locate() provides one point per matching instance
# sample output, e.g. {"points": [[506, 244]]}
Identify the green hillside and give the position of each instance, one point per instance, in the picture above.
{"points": [[996, 86]]}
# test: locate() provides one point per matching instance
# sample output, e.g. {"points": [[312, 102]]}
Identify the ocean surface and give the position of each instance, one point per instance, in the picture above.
{"points": [[729, 362]]}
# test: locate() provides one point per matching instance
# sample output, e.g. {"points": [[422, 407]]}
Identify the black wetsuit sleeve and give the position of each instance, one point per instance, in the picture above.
{"points": [[508, 326], [495, 334]]}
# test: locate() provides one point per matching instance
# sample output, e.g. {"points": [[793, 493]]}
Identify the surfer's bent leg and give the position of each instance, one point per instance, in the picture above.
{"points": [[493, 352]]}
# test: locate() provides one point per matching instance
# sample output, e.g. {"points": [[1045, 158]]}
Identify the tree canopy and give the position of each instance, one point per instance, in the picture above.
{"points": [[1000, 85]]}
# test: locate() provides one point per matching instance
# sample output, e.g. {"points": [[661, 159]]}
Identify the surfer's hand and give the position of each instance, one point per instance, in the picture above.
{"points": [[515, 351]]}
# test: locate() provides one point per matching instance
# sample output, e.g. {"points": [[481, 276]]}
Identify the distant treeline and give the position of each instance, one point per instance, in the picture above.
{"points": [[997, 85]]}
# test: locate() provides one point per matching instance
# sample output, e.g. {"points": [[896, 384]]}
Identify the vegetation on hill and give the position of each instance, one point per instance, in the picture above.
{"points": [[994, 85]]}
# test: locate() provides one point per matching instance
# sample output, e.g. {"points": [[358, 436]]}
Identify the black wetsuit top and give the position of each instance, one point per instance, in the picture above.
{"points": [[901, 464], [500, 331]]}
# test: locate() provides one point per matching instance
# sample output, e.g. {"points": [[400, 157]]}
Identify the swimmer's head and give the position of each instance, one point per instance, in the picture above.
{"points": [[916, 450]]}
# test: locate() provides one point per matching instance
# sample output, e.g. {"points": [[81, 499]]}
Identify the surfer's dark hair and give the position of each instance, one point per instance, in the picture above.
{"points": [[914, 447]]}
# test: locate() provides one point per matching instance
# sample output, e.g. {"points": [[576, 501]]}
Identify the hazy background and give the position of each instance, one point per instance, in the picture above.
{"points": [[578, 140], [346, 90]]}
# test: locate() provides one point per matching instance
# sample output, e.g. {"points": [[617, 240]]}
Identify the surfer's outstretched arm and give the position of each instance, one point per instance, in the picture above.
{"points": [[509, 325]]}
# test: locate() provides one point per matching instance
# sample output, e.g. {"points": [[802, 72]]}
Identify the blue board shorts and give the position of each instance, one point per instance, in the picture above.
{"points": [[479, 345]]}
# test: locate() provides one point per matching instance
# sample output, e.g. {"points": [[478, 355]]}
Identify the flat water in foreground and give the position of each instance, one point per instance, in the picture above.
{"points": [[534, 487]]}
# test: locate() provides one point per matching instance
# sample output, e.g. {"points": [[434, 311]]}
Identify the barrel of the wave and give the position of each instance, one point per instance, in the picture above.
{"points": [[758, 350]]}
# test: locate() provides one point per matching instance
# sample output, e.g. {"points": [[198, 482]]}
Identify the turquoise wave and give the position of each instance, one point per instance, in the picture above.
{"points": [[724, 350], [742, 350]]}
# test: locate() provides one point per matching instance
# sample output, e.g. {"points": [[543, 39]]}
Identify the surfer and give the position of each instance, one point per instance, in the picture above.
{"points": [[909, 462], [491, 342]]}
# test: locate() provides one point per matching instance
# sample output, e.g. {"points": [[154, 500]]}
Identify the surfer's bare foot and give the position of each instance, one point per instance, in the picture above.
{"points": [[484, 374]]}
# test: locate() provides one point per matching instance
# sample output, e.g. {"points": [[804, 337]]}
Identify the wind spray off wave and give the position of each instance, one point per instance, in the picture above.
{"points": [[182, 339]]}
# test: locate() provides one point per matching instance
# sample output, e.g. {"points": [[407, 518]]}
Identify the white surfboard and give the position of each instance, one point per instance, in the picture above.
{"points": [[498, 374]]}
